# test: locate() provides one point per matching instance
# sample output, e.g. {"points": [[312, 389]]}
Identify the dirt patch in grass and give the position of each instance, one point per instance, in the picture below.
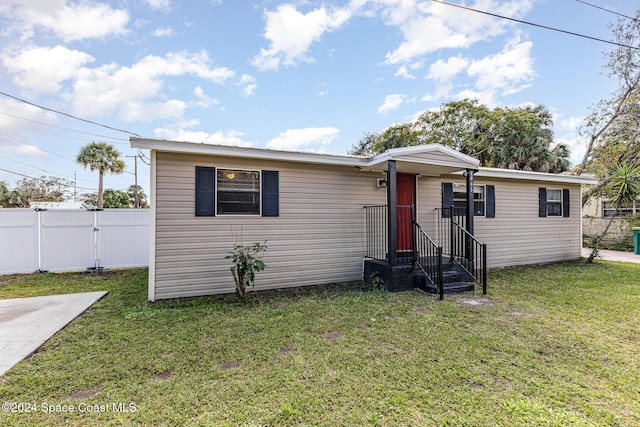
{"points": [[422, 310], [84, 394], [330, 336], [475, 302], [231, 364], [286, 350], [162, 377]]}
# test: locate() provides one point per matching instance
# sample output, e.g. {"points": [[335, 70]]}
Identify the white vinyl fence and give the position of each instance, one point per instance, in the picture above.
{"points": [[72, 239]]}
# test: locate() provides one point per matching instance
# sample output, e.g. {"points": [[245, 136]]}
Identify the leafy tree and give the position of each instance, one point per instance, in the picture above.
{"points": [[4, 194], [613, 128], [116, 199], [364, 146], [89, 199], [514, 138], [142, 197], [44, 189], [623, 188], [104, 158]]}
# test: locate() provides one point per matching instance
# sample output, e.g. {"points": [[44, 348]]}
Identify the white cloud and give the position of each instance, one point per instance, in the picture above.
{"points": [[504, 73], [230, 137], [204, 100], [442, 71], [26, 150], [43, 69], [21, 118], [572, 123], [508, 71], [159, 4], [428, 27], [163, 32], [69, 21], [291, 33], [108, 89], [576, 146], [404, 73], [248, 84], [295, 139], [391, 102]]}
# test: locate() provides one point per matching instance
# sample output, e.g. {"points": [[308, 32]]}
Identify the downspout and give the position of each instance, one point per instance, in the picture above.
{"points": [[392, 214]]}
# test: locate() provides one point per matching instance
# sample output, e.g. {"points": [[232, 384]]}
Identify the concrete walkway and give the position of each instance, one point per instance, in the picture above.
{"points": [[26, 323], [608, 255]]}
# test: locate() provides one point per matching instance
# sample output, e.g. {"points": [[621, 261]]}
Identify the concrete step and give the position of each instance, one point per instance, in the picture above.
{"points": [[449, 288]]}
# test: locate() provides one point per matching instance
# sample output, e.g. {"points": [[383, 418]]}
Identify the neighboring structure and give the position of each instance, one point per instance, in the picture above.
{"points": [[597, 213], [310, 208]]}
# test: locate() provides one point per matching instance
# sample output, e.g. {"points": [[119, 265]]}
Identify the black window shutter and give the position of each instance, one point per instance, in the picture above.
{"points": [[270, 193], [565, 202], [205, 191], [542, 202], [447, 199], [491, 202]]}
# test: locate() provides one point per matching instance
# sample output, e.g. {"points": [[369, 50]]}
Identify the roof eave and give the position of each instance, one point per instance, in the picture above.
{"points": [[534, 176]]}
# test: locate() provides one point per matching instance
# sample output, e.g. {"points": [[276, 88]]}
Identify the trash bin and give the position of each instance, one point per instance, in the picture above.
{"points": [[636, 240]]}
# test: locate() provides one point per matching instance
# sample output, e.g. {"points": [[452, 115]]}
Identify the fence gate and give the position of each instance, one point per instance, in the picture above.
{"points": [[66, 239]]}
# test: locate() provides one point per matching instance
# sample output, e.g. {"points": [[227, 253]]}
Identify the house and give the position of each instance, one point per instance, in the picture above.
{"points": [[323, 215], [597, 213]]}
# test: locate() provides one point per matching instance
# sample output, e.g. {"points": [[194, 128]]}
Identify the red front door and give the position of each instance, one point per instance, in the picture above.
{"points": [[405, 193]]}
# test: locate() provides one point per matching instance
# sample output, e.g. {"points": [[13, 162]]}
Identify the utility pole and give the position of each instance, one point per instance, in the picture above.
{"points": [[136, 200]]}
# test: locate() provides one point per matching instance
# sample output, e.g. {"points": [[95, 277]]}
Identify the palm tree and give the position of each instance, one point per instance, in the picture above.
{"points": [[624, 188], [102, 157]]}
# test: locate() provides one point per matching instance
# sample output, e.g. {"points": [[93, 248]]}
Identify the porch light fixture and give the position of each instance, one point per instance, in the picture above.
{"points": [[381, 183]]}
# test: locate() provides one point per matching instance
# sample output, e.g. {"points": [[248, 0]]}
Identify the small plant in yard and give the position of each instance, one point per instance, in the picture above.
{"points": [[246, 264], [375, 283]]}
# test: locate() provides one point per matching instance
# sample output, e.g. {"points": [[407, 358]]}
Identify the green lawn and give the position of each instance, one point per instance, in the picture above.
{"points": [[550, 346]]}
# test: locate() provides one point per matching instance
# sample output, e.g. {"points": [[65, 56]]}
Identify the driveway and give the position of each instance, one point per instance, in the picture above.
{"points": [[26, 323], [608, 255]]}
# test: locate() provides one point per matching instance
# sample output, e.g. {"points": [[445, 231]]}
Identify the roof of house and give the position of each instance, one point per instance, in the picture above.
{"points": [[431, 159]]}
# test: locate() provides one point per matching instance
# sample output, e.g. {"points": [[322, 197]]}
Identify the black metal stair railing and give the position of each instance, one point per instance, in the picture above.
{"points": [[376, 232], [429, 258], [463, 248], [376, 226]]}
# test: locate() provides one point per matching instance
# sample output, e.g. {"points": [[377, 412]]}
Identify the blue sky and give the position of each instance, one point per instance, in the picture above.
{"points": [[291, 75]]}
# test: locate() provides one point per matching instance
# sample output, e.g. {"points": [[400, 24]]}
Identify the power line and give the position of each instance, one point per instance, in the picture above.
{"points": [[67, 137], [535, 25], [607, 10], [60, 127], [42, 179], [58, 174], [69, 115]]}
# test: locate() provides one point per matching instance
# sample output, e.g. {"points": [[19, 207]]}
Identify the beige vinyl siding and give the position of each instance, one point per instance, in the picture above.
{"points": [[317, 239], [516, 236]]}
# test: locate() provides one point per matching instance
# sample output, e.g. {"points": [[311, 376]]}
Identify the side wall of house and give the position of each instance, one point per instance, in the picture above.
{"points": [[316, 239], [517, 235]]}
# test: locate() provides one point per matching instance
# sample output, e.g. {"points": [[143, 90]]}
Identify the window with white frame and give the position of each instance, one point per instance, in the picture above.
{"points": [[554, 202], [460, 198], [608, 209], [238, 192]]}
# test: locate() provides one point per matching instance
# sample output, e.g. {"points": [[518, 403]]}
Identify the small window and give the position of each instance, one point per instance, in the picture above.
{"points": [[238, 192], [460, 199], [554, 202]]}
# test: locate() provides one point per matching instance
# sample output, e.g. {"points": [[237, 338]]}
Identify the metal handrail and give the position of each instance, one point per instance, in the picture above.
{"points": [[470, 254], [429, 258]]}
